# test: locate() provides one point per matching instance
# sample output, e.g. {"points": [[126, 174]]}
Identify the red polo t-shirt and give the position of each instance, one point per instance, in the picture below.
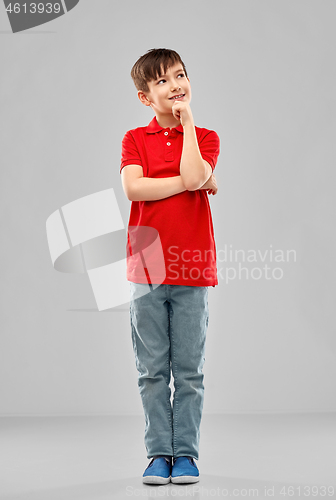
{"points": [[170, 241]]}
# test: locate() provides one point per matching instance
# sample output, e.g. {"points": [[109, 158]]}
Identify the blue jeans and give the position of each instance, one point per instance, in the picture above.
{"points": [[169, 327]]}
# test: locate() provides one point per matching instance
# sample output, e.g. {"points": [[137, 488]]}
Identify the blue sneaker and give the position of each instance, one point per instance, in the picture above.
{"points": [[184, 470], [158, 471]]}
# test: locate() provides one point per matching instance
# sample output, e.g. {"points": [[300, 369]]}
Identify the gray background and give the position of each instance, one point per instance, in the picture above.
{"points": [[263, 76]]}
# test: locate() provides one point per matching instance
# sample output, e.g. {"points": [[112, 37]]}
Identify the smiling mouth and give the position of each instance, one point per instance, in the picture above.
{"points": [[177, 97]]}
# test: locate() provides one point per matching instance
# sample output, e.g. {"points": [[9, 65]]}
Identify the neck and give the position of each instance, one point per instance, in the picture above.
{"points": [[167, 121]]}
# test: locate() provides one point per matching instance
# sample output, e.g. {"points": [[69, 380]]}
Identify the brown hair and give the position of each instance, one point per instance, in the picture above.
{"points": [[149, 66]]}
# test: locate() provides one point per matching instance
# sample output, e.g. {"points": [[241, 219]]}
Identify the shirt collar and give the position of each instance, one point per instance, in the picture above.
{"points": [[154, 127]]}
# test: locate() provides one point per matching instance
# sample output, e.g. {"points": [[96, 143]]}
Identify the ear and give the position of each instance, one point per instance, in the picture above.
{"points": [[143, 98]]}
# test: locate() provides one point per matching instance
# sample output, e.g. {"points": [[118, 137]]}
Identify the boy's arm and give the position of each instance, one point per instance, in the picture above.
{"points": [[140, 188], [194, 170]]}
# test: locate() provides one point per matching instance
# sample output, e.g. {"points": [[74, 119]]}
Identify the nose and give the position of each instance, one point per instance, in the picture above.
{"points": [[175, 86]]}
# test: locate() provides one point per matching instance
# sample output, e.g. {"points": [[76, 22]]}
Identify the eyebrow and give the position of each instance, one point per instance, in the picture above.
{"points": [[181, 70]]}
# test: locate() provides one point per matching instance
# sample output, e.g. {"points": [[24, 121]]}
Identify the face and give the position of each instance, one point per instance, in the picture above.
{"points": [[168, 88]]}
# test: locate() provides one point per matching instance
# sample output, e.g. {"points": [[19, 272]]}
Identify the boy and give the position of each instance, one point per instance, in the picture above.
{"points": [[166, 171]]}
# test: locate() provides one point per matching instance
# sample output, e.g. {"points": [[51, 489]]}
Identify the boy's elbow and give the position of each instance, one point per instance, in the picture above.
{"points": [[131, 195], [192, 185], [127, 192], [134, 195], [130, 191], [195, 184]]}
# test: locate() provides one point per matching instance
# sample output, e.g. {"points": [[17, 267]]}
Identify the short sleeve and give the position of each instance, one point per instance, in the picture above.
{"points": [[129, 151], [209, 146]]}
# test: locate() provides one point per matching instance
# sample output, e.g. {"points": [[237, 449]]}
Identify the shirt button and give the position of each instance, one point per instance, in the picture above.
{"points": [[168, 143], [166, 133]]}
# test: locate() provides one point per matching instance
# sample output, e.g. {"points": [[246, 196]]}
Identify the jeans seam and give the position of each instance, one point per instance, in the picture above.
{"points": [[175, 386], [169, 409]]}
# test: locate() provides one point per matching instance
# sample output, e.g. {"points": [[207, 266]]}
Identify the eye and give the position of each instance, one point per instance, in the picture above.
{"points": [[163, 80], [181, 74]]}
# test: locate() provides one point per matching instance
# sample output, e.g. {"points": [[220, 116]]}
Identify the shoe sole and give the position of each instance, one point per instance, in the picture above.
{"points": [[155, 480], [185, 479]]}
